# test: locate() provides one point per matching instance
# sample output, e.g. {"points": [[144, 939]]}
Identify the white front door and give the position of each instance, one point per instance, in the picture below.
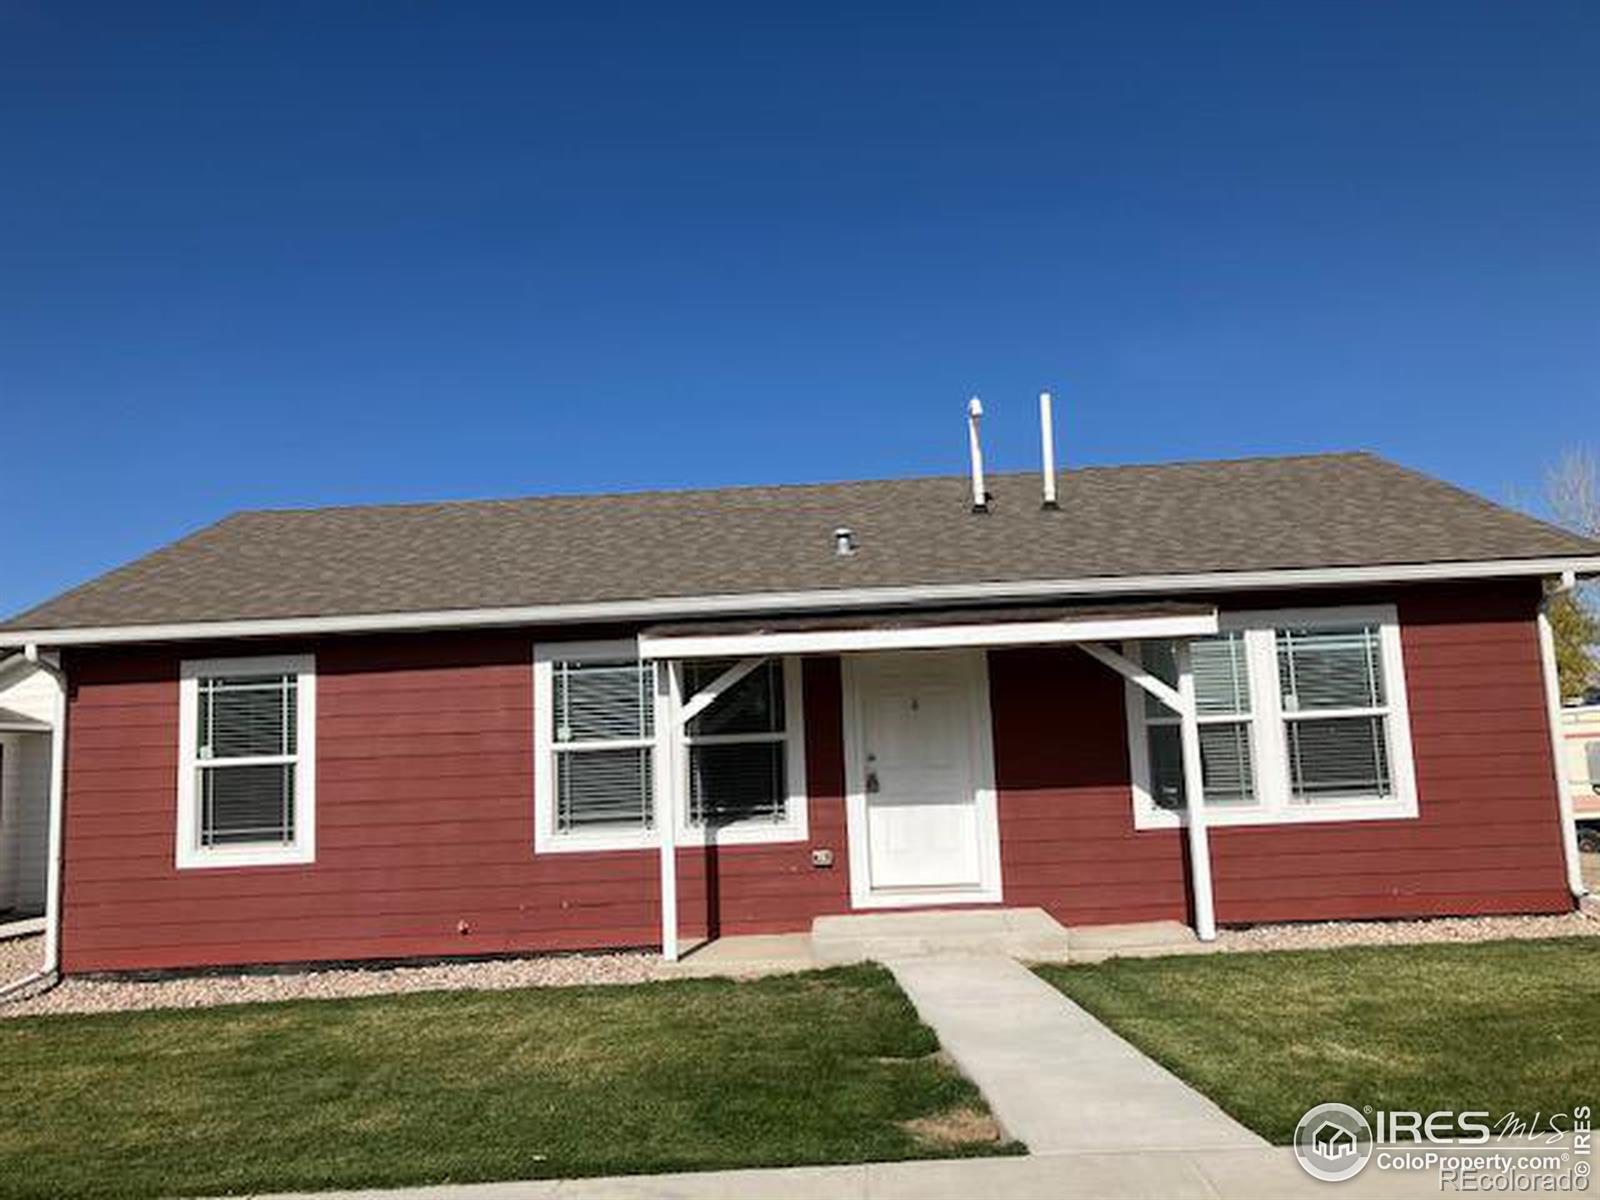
{"points": [[923, 829]]}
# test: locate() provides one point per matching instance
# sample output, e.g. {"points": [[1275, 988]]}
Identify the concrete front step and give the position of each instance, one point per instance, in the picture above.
{"points": [[1028, 933]]}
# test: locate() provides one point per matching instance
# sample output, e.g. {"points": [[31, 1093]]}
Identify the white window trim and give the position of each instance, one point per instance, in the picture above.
{"points": [[546, 837], [1138, 739], [190, 853], [796, 825], [1268, 747], [548, 840]]}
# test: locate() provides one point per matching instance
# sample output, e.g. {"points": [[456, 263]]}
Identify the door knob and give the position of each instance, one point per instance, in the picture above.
{"points": [[872, 781]]}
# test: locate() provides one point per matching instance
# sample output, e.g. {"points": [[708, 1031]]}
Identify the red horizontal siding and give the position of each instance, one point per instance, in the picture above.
{"points": [[425, 818], [424, 825], [1067, 843], [1487, 838]]}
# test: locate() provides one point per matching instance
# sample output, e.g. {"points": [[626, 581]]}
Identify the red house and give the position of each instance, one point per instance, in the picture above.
{"points": [[1225, 692]]}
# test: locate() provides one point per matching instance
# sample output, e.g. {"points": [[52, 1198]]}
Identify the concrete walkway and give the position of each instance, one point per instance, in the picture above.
{"points": [[1055, 1077], [1264, 1174]]}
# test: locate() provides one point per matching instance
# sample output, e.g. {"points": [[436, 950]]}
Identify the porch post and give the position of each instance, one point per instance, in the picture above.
{"points": [[1205, 920], [666, 790]]}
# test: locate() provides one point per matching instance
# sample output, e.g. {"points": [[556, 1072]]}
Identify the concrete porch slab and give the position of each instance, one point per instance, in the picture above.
{"points": [[1027, 933], [748, 955], [1146, 939]]}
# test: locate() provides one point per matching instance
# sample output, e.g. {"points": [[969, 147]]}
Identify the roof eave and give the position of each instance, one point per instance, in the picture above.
{"points": [[675, 607]]}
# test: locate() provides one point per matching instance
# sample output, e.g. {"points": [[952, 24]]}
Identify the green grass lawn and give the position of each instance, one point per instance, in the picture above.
{"points": [[1501, 1026], [831, 1066]]}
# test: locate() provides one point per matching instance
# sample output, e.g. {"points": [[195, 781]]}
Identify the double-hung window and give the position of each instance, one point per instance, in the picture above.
{"points": [[597, 711], [1222, 693], [247, 774], [1335, 713], [598, 781], [1301, 714], [744, 756]]}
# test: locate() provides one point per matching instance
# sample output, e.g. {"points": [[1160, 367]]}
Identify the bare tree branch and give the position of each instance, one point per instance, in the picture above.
{"points": [[1572, 489]]}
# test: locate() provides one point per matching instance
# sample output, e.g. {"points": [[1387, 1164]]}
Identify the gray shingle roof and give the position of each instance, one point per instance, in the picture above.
{"points": [[1184, 518]]}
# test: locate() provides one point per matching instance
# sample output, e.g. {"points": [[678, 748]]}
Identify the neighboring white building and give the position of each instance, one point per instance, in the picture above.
{"points": [[27, 703]]}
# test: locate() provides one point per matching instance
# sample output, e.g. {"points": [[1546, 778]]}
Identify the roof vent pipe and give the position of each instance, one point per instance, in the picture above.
{"points": [[1047, 446], [980, 497], [844, 541]]}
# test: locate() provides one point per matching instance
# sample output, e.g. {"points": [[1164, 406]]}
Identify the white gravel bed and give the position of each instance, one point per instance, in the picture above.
{"points": [[1330, 934], [200, 991], [18, 956]]}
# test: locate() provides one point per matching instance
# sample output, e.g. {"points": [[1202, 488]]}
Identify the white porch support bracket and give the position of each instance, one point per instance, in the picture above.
{"points": [[1181, 701], [1135, 673], [713, 691], [668, 742]]}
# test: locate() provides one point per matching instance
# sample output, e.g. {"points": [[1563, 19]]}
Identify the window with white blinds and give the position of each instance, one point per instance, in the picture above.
{"points": [[600, 713], [1335, 717], [737, 760], [246, 778], [604, 744], [246, 759], [1302, 716], [1222, 693]]}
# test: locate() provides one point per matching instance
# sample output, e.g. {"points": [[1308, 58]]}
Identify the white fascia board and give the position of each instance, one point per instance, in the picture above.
{"points": [[928, 637], [662, 608]]}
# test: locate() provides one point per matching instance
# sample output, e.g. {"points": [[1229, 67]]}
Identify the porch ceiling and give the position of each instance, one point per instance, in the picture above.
{"points": [[927, 630]]}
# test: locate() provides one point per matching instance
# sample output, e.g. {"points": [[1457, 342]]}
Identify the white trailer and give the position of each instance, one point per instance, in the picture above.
{"points": [[1580, 739]]}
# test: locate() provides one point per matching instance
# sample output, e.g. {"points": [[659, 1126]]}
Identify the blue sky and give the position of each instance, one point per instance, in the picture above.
{"points": [[297, 254]]}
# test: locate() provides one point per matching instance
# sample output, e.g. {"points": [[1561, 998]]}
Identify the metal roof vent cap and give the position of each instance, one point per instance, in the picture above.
{"points": [[844, 541]]}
